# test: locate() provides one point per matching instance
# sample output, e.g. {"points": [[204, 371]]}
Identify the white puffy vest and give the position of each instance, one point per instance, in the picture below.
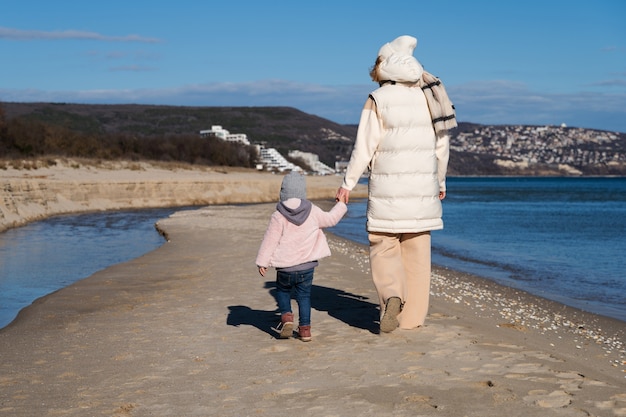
{"points": [[403, 184]]}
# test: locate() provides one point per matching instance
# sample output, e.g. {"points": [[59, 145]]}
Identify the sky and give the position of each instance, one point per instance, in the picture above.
{"points": [[533, 62]]}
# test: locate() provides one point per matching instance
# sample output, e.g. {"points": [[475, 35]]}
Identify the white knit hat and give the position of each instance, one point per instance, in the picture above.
{"points": [[398, 62], [402, 45], [293, 186]]}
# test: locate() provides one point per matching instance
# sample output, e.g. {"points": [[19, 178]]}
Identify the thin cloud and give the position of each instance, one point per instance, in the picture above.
{"points": [[121, 55], [264, 88], [484, 102], [613, 49], [610, 83], [131, 68], [514, 103], [32, 35]]}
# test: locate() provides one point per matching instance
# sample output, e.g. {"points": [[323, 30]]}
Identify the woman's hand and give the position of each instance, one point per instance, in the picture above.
{"points": [[342, 195]]}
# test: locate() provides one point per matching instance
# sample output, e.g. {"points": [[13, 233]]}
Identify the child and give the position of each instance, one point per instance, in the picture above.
{"points": [[293, 244]]}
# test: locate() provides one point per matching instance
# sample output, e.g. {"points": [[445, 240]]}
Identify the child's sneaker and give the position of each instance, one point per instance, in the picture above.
{"points": [[304, 333], [285, 327]]}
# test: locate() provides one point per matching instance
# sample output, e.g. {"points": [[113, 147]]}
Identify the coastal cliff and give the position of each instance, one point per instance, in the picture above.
{"points": [[35, 194]]}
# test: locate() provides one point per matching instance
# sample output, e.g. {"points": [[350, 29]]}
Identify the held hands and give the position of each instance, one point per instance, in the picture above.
{"points": [[342, 195]]}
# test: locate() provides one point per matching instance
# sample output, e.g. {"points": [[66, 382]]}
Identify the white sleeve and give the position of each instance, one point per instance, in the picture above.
{"points": [[369, 135], [442, 150]]}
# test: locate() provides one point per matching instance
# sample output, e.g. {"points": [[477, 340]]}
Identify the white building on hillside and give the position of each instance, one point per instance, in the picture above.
{"points": [[271, 159], [224, 134], [313, 161]]}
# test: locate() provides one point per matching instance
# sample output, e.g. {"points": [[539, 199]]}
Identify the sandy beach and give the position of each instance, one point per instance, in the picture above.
{"points": [[185, 330]]}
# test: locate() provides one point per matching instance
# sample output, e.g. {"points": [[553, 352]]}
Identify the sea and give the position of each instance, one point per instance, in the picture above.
{"points": [[563, 239], [42, 257]]}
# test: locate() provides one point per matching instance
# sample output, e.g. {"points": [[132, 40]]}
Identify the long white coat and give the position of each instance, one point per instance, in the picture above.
{"points": [[407, 161]]}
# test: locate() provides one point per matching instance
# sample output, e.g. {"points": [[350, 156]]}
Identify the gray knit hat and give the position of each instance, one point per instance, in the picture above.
{"points": [[293, 186]]}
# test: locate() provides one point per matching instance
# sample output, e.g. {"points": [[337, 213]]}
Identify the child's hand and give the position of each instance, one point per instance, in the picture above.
{"points": [[342, 195], [262, 270]]}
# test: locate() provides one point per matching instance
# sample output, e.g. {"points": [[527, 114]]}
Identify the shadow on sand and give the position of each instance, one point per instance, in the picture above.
{"points": [[352, 309]]}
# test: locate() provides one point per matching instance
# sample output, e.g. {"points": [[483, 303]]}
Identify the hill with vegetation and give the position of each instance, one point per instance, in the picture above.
{"points": [[171, 133]]}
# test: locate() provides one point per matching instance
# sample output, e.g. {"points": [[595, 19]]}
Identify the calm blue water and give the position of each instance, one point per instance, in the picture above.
{"points": [[42, 257], [560, 238]]}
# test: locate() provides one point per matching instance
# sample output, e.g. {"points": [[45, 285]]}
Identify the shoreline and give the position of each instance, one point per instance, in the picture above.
{"points": [[142, 185], [523, 311], [186, 330]]}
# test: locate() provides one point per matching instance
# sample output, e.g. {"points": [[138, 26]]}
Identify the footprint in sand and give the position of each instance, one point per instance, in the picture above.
{"points": [[275, 348], [545, 399]]}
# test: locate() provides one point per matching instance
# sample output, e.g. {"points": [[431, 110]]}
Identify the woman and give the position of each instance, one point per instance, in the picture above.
{"points": [[402, 139]]}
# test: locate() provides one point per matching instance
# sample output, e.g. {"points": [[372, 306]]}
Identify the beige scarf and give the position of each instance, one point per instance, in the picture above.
{"points": [[441, 108]]}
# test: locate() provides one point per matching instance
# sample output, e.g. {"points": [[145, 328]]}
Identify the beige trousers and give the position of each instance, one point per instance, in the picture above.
{"points": [[400, 266]]}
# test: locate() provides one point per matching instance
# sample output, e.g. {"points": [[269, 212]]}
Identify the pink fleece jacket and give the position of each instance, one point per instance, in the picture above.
{"points": [[286, 244]]}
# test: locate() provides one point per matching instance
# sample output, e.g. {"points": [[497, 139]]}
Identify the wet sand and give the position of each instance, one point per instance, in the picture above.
{"points": [[186, 331]]}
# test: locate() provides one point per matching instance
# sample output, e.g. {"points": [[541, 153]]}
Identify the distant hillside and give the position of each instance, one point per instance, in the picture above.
{"points": [[536, 150], [476, 149], [283, 128]]}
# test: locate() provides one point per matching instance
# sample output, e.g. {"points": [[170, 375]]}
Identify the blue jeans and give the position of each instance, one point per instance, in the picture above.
{"points": [[300, 282]]}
